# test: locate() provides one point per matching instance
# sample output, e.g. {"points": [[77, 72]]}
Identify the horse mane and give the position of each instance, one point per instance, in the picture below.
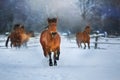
{"points": [[87, 29], [52, 20], [16, 26]]}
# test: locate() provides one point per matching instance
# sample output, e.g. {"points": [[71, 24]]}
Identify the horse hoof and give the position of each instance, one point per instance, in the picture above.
{"points": [[50, 64], [57, 58], [55, 64]]}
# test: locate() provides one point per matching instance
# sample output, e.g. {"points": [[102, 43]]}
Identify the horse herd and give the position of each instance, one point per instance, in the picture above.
{"points": [[49, 39]]}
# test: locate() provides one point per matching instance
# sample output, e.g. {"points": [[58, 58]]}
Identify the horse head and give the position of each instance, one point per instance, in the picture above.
{"points": [[87, 29], [22, 29], [19, 28], [16, 26], [52, 24]]}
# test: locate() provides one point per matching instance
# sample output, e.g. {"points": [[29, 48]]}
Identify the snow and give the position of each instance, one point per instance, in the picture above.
{"points": [[74, 64]]}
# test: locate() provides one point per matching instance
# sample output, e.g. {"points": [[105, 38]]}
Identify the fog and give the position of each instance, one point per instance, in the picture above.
{"points": [[67, 11], [73, 15]]}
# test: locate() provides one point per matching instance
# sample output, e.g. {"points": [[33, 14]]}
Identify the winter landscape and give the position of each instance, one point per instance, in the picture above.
{"points": [[75, 63], [98, 20]]}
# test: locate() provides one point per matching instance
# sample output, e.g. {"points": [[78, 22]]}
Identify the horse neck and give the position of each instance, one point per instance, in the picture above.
{"points": [[49, 28], [86, 32], [50, 37]]}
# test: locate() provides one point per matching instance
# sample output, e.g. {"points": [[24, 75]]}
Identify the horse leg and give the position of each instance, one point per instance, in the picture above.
{"points": [[84, 45], [78, 43], [11, 44], [88, 45], [19, 45], [58, 54], [55, 62], [45, 51], [25, 44], [50, 60]]}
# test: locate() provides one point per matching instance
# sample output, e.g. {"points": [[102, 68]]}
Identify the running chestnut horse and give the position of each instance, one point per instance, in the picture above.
{"points": [[83, 37], [50, 41]]}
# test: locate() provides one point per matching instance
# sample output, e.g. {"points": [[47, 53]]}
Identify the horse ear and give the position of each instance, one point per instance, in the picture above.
{"points": [[48, 19], [22, 26], [56, 19]]}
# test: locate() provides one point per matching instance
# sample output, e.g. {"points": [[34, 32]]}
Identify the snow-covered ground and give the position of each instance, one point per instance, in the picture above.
{"points": [[74, 64]]}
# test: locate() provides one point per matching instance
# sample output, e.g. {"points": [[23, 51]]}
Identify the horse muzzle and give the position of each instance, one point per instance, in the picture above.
{"points": [[54, 33]]}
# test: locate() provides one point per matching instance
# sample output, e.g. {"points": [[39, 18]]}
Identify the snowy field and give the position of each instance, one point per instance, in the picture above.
{"points": [[74, 64]]}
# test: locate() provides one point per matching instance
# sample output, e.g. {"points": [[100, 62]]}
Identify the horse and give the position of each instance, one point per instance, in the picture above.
{"points": [[50, 41], [83, 37], [16, 36]]}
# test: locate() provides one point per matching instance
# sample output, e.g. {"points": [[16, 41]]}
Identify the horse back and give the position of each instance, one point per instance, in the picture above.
{"points": [[86, 37], [82, 37]]}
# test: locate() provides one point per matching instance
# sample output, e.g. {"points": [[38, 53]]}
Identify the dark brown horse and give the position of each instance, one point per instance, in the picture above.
{"points": [[83, 37], [15, 36], [50, 41]]}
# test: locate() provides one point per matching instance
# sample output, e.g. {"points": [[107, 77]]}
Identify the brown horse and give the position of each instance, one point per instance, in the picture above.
{"points": [[50, 41], [14, 38], [15, 35], [18, 36], [83, 37]]}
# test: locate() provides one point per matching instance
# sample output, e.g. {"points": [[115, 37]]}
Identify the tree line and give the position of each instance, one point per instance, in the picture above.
{"points": [[101, 15]]}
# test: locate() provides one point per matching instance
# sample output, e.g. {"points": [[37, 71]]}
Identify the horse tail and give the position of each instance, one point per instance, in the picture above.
{"points": [[77, 36], [6, 44], [78, 41]]}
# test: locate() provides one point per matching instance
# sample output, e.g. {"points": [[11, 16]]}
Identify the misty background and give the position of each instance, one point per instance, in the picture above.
{"points": [[73, 15]]}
